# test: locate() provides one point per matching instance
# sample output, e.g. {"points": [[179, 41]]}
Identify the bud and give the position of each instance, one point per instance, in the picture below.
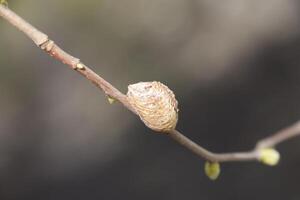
{"points": [[111, 100], [4, 2], [155, 104], [269, 156], [212, 170]]}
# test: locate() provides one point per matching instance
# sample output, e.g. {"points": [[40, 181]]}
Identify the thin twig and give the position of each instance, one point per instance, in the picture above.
{"points": [[42, 40], [208, 155], [280, 136]]}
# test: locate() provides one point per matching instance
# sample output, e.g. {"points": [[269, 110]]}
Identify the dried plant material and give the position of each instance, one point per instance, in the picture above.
{"points": [[155, 103]]}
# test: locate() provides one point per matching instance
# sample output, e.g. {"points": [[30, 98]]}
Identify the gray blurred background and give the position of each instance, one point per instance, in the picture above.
{"points": [[233, 65]]}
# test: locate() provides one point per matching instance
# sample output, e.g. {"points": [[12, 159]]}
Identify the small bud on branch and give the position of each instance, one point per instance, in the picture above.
{"points": [[212, 170], [269, 156]]}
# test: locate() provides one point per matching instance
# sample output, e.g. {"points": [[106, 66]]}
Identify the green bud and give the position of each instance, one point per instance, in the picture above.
{"points": [[269, 156], [212, 170], [111, 100], [4, 2]]}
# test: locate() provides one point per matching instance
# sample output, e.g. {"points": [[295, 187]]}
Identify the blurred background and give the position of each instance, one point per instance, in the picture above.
{"points": [[233, 65]]}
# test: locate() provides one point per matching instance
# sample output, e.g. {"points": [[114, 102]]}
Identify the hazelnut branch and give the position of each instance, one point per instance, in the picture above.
{"points": [[42, 41]]}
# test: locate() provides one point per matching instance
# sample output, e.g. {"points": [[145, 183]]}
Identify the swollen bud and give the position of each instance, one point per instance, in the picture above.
{"points": [[212, 170], [155, 104], [269, 156]]}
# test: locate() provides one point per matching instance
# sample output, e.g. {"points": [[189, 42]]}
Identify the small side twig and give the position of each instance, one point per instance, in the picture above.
{"points": [[268, 142], [280, 136], [42, 41]]}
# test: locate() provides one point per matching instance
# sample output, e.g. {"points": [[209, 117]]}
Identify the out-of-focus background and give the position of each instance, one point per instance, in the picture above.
{"points": [[234, 66]]}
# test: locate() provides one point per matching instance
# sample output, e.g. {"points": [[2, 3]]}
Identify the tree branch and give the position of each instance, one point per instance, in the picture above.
{"points": [[42, 41]]}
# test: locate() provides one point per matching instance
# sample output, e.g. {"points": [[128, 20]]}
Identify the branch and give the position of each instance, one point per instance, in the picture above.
{"points": [[42, 41], [268, 142], [280, 136]]}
